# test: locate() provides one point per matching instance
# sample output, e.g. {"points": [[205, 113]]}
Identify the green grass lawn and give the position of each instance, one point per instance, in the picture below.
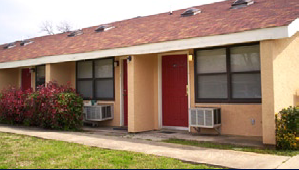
{"points": [[18, 151], [232, 147]]}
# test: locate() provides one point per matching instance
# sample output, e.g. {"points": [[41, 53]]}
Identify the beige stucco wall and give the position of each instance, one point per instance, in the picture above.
{"points": [[9, 77], [236, 118], [280, 61], [143, 93], [286, 71], [62, 73], [33, 80]]}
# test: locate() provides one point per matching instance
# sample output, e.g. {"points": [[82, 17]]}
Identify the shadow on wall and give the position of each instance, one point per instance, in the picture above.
{"points": [[296, 98]]}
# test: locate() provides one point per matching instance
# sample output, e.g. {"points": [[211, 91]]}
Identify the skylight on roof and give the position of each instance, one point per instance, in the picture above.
{"points": [[9, 45], [75, 33], [241, 3], [26, 42], [190, 12], [102, 28]]}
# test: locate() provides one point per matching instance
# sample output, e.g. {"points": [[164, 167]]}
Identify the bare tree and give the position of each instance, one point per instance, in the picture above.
{"points": [[64, 26], [47, 26]]}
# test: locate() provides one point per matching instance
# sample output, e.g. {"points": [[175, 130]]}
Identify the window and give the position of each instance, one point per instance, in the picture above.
{"points": [[95, 79], [228, 74], [26, 42], [40, 75], [241, 4], [102, 28], [75, 33], [9, 45], [190, 12]]}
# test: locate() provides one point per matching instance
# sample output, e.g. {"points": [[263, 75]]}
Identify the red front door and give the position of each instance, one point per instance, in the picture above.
{"points": [[26, 79], [174, 95], [125, 91]]}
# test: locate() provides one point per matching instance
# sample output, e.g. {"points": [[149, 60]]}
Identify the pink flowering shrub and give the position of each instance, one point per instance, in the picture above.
{"points": [[13, 108], [52, 107]]}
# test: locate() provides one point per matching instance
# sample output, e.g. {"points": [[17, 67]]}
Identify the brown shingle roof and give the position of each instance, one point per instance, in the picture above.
{"points": [[215, 19]]}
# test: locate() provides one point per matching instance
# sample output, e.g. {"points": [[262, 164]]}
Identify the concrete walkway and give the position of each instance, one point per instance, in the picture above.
{"points": [[292, 163], [224, 158], [165, 134]]}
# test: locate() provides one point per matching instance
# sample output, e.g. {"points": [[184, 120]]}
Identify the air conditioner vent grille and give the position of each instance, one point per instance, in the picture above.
{"points": [[200, 118], [205, 117], [98, 113], [209, 118], [193, 117]]}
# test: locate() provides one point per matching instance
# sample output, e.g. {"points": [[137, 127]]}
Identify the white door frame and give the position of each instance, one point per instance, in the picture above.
{"points": [[160, 117]]}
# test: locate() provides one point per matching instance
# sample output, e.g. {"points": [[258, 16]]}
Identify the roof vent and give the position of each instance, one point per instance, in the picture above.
{"points": [[75, 33], [103, 28], [190, 12], [9, 45], [241, 3], [26, 42]]}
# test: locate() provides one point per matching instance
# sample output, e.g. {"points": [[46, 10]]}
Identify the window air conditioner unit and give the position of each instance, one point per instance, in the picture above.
{"points": [[205, 117], [98, 113]]}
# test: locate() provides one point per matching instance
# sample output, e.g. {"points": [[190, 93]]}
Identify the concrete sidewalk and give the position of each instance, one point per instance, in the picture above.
{"points": [[225, 158]]}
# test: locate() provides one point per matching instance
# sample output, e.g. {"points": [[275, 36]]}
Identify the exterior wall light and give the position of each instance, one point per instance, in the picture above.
{"points": [[116, 63], [190, 57], [129, 58], [32, 70]]}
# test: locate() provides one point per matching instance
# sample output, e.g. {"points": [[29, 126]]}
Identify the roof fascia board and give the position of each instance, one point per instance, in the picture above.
{"points": [[293, 27], [183, 44]]}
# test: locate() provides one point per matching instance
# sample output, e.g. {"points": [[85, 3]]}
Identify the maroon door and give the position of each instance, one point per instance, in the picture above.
{"points": [[26, 79], [125, 92], [174, 92]]}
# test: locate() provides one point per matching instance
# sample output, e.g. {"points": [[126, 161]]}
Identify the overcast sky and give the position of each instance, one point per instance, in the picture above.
{"points": [[22, 19]]}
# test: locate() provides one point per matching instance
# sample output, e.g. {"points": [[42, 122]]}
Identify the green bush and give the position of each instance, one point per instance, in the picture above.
{"points": [[286, 128], [70, 103]]}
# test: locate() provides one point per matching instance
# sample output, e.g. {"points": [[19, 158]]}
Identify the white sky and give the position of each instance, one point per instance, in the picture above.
{"points": [[21, 19]]}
